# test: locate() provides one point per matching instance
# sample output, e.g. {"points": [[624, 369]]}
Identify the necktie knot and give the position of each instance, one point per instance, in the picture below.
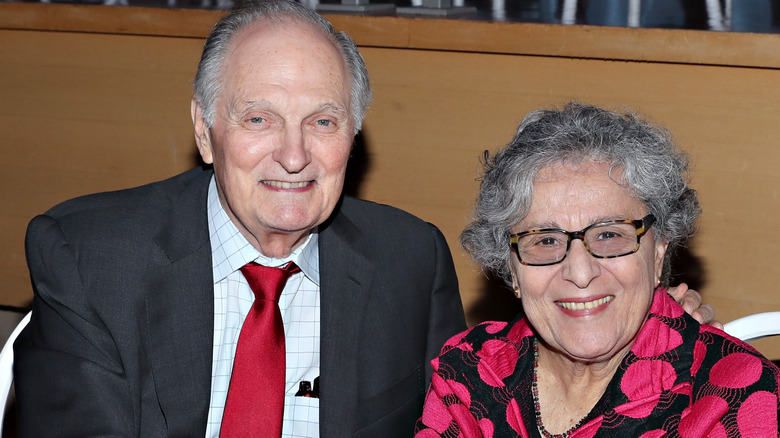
{"points": [[268, 282]]}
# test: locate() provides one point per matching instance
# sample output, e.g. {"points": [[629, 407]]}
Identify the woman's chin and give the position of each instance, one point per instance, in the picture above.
{"points": [[590, 350]]}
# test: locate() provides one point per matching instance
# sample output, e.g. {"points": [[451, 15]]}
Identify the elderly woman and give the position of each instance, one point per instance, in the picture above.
{"points": [[579, 213]]}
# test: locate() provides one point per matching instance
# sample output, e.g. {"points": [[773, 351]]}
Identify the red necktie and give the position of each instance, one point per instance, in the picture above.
{"points": [[255, 400]]}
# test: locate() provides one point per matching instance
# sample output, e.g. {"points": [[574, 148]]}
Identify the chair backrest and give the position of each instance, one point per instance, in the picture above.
{"points": [[752, 327], [6, 366]]}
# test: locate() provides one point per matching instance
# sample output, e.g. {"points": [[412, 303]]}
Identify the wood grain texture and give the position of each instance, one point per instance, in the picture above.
{"points": [[651, 45], [91, 105]]}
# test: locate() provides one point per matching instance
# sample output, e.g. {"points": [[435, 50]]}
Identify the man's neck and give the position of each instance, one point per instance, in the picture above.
{"points": [[277, 245]]}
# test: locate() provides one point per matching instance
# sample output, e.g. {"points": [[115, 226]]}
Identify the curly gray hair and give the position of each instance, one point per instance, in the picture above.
{"points": [[208, 83], [652, 167]]}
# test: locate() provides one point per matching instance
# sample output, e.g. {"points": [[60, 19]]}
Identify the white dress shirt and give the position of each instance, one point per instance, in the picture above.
{"points": [[233, 298]]}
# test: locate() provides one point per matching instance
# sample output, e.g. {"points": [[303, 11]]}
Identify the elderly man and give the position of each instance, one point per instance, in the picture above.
{"points": [[152, 313], [140, 295]]}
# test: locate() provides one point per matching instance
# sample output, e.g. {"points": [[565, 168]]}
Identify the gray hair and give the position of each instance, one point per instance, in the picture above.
{"points": [[652, 168], [208, 80]]}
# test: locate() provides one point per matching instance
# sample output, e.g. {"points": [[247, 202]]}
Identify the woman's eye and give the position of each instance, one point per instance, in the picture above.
{"points": [[547, 241], [606, 235], [609, 235]]}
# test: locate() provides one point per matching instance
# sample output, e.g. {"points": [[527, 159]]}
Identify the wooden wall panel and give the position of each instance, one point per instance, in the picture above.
{"points": [[436, 111], [82, 113], [88, 112]]}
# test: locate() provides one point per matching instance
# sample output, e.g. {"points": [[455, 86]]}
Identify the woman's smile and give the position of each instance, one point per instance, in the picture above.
{"points": [[584, 306]]}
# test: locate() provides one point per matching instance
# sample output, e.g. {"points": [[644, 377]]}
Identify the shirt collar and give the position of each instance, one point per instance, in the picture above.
{"points": [[230, 250]]}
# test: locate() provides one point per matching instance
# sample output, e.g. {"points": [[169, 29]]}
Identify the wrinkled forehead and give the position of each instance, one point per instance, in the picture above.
{"points": [[591, 189], [294, 55], [286, 37]]}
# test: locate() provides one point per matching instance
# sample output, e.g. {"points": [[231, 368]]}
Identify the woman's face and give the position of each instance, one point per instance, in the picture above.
{"points": [[619, 290]]}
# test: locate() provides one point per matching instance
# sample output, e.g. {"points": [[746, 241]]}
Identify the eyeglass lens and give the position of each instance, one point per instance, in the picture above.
{"points": [[607, 240]]}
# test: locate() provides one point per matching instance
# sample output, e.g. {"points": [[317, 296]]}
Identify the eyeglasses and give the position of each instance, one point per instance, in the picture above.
{"points": [[603, 240]]}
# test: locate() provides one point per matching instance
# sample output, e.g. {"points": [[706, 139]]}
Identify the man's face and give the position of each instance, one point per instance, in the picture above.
{"points": [[282, 133]]}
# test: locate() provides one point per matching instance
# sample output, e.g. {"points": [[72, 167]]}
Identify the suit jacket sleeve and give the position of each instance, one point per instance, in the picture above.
{"points": [[66, 337], [390, 300], [446, 314]]}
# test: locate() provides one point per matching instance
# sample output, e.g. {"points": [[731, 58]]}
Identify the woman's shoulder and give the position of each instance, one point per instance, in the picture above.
{"points": [[490, 353], [488, 338], [731, 362], [714, 357], [731, 378]]}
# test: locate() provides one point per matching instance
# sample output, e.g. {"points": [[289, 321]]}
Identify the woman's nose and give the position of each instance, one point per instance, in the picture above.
{"points": [[580, 267]]}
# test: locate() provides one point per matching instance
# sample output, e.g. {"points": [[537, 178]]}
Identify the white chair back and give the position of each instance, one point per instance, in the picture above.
{"points": [[6, 366], [756, 326]]}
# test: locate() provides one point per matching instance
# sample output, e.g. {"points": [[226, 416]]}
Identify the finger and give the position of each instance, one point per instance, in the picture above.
{"points": [[678, 292], [705, 314], [692, 302]]}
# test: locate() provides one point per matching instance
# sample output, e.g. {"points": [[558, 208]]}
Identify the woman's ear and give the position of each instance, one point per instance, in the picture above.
{"points": [[515, 283], [660, 253]]}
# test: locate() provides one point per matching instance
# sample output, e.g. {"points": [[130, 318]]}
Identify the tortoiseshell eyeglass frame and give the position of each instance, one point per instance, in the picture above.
{"points": [[642, 227]]}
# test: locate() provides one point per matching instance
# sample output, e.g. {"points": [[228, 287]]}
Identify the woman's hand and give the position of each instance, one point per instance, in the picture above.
{"points": [[690, 300]]}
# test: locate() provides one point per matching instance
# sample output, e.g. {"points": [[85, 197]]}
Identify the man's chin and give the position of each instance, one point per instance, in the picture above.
{"points": [[297, 219], [301, 227]]}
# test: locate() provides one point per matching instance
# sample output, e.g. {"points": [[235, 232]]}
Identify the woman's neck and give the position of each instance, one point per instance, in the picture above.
{"points": [[567, 390]]}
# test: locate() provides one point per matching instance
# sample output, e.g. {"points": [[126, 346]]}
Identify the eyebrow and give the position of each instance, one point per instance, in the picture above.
{"points": [[238, 109], [332, 106], [249, 105]]}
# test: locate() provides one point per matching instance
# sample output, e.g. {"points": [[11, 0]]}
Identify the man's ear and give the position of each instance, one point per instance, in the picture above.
{"points": [[202, 133]]}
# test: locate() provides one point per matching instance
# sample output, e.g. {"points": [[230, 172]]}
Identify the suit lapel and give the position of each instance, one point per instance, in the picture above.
{"points": [[345, 277], [180, 316], [180, 312]]}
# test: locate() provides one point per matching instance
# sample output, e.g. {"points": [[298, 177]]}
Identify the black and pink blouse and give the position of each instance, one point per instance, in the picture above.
{"points": [[680, 379]]}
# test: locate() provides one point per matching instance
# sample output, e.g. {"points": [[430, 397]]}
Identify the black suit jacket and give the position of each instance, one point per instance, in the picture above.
{"points": [[120, 342]]}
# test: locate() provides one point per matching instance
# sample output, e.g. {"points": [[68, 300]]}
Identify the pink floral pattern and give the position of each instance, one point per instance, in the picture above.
{"points": [[680, 379]]}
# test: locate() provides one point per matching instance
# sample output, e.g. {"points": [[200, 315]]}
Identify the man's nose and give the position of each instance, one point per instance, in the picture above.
{"points": [[292, 152]]}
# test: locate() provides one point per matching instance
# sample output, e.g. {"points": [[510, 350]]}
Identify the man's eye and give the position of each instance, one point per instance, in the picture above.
{"points": [[324, 122], [256, 120]]}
